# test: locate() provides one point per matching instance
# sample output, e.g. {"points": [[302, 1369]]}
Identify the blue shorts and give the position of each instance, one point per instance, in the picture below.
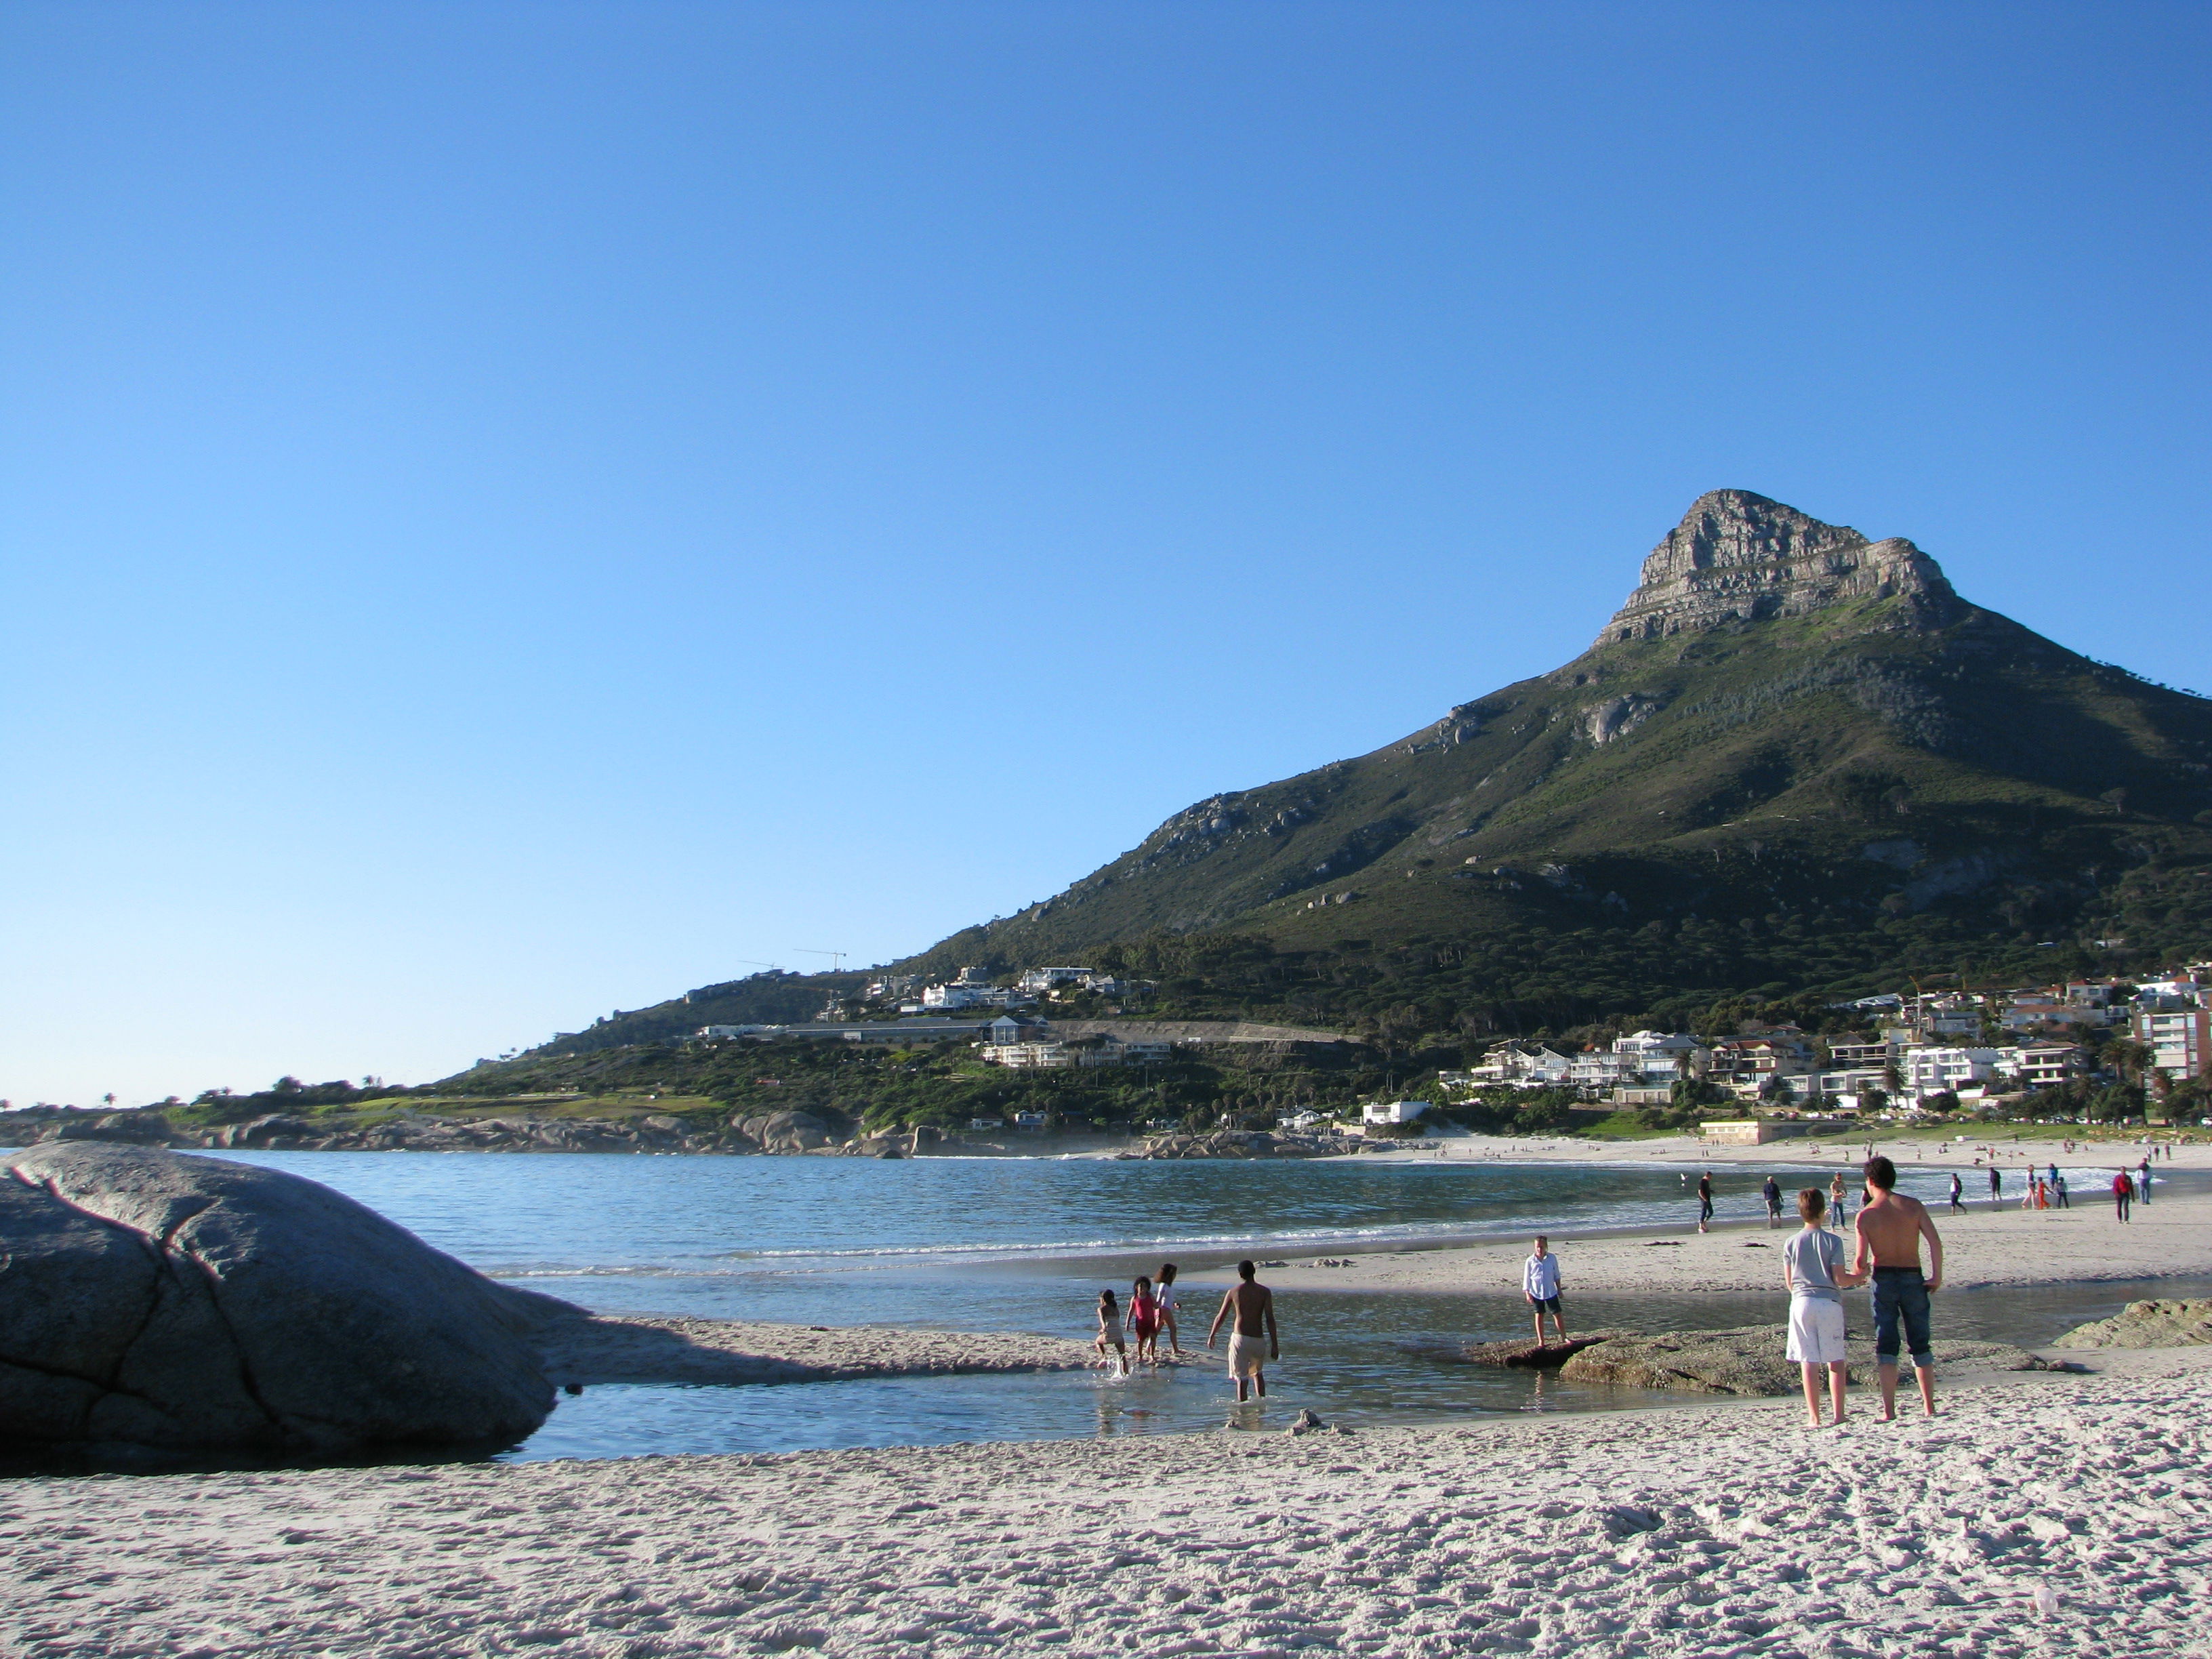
{"points": [[1901, 1291]]}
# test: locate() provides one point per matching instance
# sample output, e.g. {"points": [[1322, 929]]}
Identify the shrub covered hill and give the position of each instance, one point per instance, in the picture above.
{"points": [[1795, 760], [1795, 767]]}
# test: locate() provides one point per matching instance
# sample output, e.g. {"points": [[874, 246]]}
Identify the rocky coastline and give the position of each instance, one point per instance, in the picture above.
{"points": [[1248, 1143], [775, 1133], [789, 1133]]}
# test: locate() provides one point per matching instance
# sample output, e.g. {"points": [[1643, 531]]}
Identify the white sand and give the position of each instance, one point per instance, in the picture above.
{"points": [[2169, 1237], [1928, 1150], [1727, 1532]]}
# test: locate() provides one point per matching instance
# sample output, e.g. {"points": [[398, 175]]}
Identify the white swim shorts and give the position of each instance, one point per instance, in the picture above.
{"points": [[1246, 1355], [1816, 1329]]}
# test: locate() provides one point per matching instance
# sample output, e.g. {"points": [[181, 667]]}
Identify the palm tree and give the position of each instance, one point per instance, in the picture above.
{"points": [[2132, 1058]]}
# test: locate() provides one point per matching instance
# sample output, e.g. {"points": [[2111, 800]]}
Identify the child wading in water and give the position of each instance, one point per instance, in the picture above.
{"points": [[1145, 1321], [1109, 1334], [1163, 1293], [1813, 1273]]}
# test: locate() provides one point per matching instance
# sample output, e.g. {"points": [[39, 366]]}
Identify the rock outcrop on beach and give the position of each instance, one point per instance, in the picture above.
{"points": [[2180, 1324], [1749, 1360], [188, 1303], [1243, 1143], [1523, 1355]]}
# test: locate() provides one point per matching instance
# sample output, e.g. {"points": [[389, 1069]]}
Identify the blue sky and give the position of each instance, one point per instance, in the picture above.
{"points": [[511, 511]]}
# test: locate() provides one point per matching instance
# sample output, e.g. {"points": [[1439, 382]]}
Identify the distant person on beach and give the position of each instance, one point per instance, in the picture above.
{"points": [[1813, 1273], [2065, 1197], [1836, 1207], [2124, 1192], [1889, 1230], [1996, 1186], [1163, 1293], [1772, 1193], [1253, 1305], [1540, 1283], [2142, 1184], [1705, 1201], [1145, 1321], [1958, 1195], [1109, 1332]]}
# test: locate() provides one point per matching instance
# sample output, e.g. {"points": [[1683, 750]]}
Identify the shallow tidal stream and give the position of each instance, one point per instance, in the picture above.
{"points": [[1027, 1243]]}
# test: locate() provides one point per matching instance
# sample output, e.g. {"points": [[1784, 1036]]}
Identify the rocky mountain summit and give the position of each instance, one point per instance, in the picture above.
{"points": [[1796, 763], [1738, 557], [1781, 707]]}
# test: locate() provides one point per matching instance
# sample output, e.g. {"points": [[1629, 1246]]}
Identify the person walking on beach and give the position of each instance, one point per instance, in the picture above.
{"points": [[1836, 1207], [2142, 1182], [2124, 1192], [1705, 1201], [1109, 1332], [2065, 1198], [1889, 1230], [1540, 1283], [1253, 1305], [1996, 1186], [1772, 1193], [1145, 1321], [1163, 1293], [1813, 1273], [1958, 1195]]}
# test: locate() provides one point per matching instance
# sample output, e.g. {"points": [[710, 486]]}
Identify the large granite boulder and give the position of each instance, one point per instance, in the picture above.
{"points": [[2176, 1324], [153, 1299]]}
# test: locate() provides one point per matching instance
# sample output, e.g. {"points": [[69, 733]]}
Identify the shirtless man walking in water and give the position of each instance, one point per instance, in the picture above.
{"points": [[1889, 1228], [1253, 1304]]}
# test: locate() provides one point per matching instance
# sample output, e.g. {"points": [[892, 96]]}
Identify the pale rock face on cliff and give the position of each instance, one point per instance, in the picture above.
{"points": [[1739, 557]]}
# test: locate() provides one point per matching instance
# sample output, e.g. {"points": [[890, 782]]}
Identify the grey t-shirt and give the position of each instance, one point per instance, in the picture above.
{"points": [[1813, 1256]]}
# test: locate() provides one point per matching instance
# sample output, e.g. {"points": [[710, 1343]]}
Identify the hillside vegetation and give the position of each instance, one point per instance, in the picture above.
{"points": [[1796, 768]]}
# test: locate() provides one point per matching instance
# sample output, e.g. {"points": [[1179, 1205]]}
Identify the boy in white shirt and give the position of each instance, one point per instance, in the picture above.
{"points": [[1540, 1283], [1813, 1273]]}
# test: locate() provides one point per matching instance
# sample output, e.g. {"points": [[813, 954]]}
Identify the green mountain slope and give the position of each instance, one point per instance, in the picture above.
{"points": [[1784, 716], [1795, 766]]}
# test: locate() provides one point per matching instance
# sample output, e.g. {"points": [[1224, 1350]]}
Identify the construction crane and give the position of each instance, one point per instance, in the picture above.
{"points": [[749, 962], [836, 957]]}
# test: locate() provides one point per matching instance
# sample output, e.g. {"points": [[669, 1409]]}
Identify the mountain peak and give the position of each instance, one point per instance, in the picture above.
{"points": [[1738, 557]]}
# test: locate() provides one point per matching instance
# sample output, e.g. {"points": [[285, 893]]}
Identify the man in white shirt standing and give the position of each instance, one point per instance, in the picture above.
{"points": [[1540, 1283]]}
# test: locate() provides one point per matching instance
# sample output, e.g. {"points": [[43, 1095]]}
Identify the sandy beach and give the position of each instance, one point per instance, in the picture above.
{"points": [[2043, 1512], [1726, 1531], [1988, 1245], [2170, 1237]]}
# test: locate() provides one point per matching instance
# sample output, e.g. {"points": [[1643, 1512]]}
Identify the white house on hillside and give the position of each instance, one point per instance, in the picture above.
{"points": [[1392, 1111]]}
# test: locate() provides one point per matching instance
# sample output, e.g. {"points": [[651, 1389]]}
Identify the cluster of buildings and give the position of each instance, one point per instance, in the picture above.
{"points": [[1972, 1045], [971, 987], [1030, 1045]]}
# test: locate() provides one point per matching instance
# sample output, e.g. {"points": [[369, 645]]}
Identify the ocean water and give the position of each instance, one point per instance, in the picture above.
{"points": [[1025, 1244]]}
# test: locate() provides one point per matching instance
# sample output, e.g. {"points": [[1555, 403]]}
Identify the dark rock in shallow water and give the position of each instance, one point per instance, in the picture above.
{"points": [[2179, 1324], [1749, 1360], [189, 1303], [1530, 1356]]}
